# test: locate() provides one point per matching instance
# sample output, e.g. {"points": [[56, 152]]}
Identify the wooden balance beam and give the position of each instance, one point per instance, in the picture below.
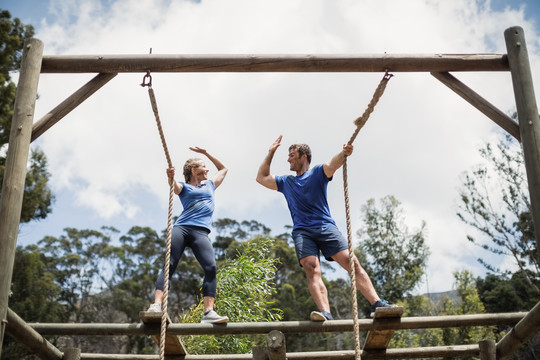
{"points": [[377, 340], [173, 344]]}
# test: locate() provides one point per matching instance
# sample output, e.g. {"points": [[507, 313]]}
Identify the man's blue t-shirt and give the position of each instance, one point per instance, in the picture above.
{"points": [[198, 203], [306, 197]]}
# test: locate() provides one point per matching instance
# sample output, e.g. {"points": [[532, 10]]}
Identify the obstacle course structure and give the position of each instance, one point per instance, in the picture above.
{"points": [[24, 131]]}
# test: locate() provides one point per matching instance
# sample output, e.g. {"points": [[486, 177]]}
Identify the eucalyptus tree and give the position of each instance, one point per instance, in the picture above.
{"points": [[393, 256], [495, 203]]}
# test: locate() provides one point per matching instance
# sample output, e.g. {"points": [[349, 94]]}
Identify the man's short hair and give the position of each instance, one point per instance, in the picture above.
{"points": [[302, 149]]}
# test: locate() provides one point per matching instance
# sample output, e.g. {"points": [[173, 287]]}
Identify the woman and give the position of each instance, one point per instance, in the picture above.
{"points": [[192, 229]]}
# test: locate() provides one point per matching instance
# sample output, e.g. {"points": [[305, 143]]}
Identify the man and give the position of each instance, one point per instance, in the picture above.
{"points": [[314, 229]]}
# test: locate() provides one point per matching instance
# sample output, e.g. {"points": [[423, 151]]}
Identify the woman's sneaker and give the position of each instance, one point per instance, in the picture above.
{"points": [[155, 307], [212, 317], [380, 303]]}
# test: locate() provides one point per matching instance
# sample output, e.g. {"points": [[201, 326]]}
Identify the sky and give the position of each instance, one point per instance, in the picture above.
{"points": [[107, 163]]}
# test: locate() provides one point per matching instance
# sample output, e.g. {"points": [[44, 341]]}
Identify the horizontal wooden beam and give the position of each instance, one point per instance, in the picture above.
{"points": [[421, 322], [405, 353], [273, 63]]}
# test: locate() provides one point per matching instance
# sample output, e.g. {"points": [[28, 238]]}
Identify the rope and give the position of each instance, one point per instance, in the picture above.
{"points": [[164, 305], [359, 122]]}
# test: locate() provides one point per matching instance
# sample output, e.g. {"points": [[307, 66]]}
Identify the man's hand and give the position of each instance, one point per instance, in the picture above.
{"points": [[276, 144], [347, 149]]}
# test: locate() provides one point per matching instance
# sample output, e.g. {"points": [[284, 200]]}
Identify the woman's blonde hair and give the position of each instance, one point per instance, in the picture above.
{"points": [[191, 164]]}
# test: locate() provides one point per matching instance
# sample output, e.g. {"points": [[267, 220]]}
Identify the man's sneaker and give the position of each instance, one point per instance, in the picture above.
{"points": [[155, 307], [212, 317], [320, 316], [380, 303]]}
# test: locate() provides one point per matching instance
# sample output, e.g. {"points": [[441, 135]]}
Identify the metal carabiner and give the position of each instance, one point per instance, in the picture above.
{"points": [[149, 77]]}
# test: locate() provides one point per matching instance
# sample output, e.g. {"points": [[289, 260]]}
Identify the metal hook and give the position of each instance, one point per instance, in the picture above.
{"points": [[149, 77]]}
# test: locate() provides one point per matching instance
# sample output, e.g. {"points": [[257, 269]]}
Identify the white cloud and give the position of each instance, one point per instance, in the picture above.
{"points": [[417, 142]]}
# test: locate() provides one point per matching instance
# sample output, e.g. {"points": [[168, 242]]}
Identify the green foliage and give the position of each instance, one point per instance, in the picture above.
{"points": [[38, 198], [245, 285], [34, 296], [33, 287], [506, 295], [12, 36], [74, 260], [135, 266], [394, 258], [495, 202], [468, 303], [101, 281], [231, 232]]}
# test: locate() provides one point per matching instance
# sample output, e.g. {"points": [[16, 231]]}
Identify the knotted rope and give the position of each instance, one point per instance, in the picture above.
{"points": [[147, 81], [359, 122]]}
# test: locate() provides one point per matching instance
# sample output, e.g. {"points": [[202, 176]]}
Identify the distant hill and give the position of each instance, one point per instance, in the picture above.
{"points": [[436, 297]]}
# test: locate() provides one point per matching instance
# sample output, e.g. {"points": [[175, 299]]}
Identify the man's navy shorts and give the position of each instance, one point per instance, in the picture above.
{"points": [[327, 239]]}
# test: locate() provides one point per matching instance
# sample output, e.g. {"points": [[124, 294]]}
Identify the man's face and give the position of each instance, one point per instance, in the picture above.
{"points": [[295, 160]]}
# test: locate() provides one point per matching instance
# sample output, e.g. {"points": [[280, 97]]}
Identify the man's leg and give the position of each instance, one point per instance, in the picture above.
{"points": [[316, 286], [363, 282]]}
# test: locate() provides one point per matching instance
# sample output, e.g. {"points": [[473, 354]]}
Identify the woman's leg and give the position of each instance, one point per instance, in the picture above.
{"points": [[179, 236]]}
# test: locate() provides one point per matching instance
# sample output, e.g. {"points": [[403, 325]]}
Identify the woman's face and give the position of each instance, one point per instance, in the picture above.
{"points": [[200, 173]]}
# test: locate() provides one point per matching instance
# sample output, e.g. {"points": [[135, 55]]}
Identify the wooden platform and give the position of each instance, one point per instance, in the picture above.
{"points": [[379, 339], [173, 344]]}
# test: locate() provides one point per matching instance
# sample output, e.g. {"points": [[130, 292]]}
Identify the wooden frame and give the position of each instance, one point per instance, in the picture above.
{"points": [[34, 63]]}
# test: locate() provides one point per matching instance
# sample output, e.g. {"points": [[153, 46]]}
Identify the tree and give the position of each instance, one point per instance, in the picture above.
{"points": [[500, 294], [467, 302], [34, 296], [495, 202], [393, 257], [38, 198], [77, 263], [231, 232], [245, 287]]}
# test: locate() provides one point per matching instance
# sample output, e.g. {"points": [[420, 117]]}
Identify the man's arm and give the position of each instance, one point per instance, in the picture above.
{"points": [[337, 160], [263, 175]]}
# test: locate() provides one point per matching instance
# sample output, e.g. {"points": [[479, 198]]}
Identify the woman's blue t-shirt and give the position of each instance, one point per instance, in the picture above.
{"points": [[198, 204], [306, 198]]}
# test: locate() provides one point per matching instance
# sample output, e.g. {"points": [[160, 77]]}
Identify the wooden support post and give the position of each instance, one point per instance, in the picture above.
{"points": [[72, 354], [275, 340], [30, 338], [15, 170], [529, 121], [259, 353], [488, 350], [480, 103], [523, 331], [66, 106]]}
